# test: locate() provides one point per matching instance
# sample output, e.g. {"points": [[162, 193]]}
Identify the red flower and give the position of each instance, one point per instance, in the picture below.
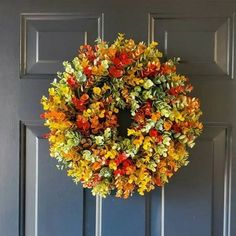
{"points": [[82, 123], [153, 132], [80, 103], [88, 71], [139, 117], [125, 59], [42, 116], [158, 181], [148, 108], [122, 60], [114, 72], [96, 179], [127, 163], [88, 51], [46, 136], [120, 158], [159, 139], [176, 128], [72, 82], [119, 172], [176, 90], [117, 62], [150, 71]]}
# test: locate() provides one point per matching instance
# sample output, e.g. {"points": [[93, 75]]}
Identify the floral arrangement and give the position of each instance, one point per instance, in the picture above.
{"points": [[82, 110]]}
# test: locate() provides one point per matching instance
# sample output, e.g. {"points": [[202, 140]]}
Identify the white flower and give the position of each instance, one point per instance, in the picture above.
{"points": [[104, 63], [148, 84], [99, 140]]}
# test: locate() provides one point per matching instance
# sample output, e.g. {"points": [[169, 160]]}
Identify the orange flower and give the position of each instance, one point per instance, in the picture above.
{"points": [[111, 119], [54, 115], [130, 170], [167, 125], [114, 72], [139, 117], [156, 116], [95, 124], [82, 123], [139, 51], [172, 165], [167, 69], [96, 166], [111, 52], [84, 97]]}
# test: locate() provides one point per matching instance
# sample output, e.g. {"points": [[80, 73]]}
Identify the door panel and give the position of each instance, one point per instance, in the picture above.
{"points": [[49, 39], [51, 204], [205, 43], [203, 188], [36, 36]]}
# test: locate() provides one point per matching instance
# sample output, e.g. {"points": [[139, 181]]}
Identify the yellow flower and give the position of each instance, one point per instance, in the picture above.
{"points": [[105, 88], [87, 113], [59, 138], [97, 90], [112, 165], [56, 100], [59, 126], [51, 91], [138, 80], [147, 143], [102, 114], [84, 62], [138, 141], [175, 78], [177, 116], [95, 106], [44, 102], [132, 179], [133, 132], [116, 110], [153, 44], [102, 189], [111, 154], [144, 182], [133, 80], [65, 91]]}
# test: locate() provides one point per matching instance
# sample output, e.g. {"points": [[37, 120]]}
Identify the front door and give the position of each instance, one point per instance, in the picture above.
{"points": [[38, 200]]}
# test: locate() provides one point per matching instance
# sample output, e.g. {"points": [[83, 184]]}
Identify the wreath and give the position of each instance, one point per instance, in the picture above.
{"points": [[82, 112]]}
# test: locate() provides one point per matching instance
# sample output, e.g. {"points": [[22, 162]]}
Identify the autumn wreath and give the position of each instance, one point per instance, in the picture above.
{"points": [[82, 110]]}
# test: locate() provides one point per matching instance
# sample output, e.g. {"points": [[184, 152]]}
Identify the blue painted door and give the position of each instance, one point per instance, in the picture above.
{"points": [[38, 200]]}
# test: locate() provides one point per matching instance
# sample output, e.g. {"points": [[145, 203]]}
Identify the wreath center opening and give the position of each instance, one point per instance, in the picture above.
{"points": [[124, 121]]}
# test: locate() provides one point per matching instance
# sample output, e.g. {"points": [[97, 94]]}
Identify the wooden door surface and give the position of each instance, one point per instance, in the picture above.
{"points": [[38, 200]]}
